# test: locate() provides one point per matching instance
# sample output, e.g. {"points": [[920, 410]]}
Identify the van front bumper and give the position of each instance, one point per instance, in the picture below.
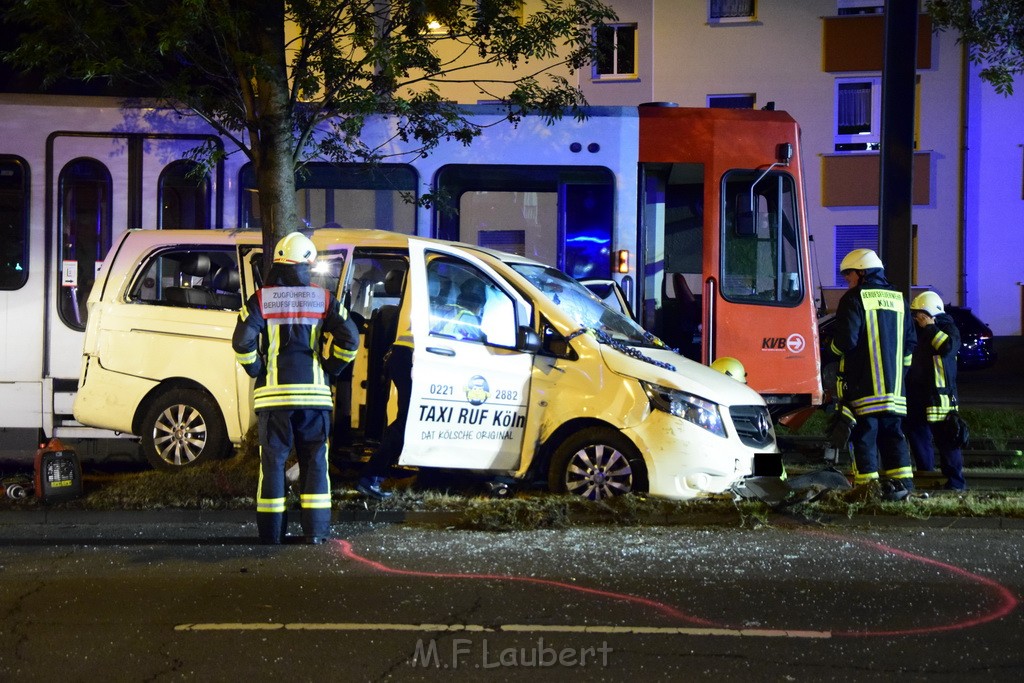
{"points": [[685, 461]]}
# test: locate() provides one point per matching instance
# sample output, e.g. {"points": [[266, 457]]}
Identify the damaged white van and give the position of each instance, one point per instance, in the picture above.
{"points": [[555, 386]]}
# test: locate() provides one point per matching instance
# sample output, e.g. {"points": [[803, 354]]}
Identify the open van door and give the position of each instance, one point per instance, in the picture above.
{"points": [[471, 368]]}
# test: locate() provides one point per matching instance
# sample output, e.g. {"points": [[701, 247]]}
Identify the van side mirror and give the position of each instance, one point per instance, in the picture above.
{"points": [[527, 340]]}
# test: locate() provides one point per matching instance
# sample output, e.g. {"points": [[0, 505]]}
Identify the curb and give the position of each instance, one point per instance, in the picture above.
{"points": [[42, 518]]}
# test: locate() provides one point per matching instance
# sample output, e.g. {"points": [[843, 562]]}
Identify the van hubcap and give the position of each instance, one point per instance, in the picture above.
{"points": [[597, 472], [179, 434]]}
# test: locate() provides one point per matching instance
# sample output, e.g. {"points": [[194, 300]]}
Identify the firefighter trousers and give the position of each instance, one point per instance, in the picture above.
{"points": [[878, 440], [307, 430]]}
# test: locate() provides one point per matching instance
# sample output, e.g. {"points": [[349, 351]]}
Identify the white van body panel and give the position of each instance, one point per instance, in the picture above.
{"points": [[132, 348], [704, 463], [683, 460], [24, 403], [689, 376], [485, 405]]}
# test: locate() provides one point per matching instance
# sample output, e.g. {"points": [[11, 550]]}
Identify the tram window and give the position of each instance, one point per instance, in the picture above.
{"points": [[85, 233], [588, 231], [184, 196], [564, 213], [509, 241], [486, 214], [345, 195], [13, 223], [761, 239]]}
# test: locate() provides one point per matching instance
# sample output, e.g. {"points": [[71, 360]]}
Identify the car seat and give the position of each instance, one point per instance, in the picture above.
{"points": [[187, 293], [226, 289]]}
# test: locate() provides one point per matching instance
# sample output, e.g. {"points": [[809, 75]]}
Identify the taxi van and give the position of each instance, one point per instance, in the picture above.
{"points": [[549, 384]]}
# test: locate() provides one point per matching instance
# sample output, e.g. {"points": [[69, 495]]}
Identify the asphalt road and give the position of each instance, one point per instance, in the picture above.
{"points": [[173, 597], [387, 602]]}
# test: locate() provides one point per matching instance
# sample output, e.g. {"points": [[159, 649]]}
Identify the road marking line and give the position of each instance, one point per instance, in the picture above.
{"points": [[508, 628]]}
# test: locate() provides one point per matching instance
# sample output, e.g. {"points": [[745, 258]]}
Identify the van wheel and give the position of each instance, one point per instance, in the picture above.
{"points": [[597, 463], [182, 427]]}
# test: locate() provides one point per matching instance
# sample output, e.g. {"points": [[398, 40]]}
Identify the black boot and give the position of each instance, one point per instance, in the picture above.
{"points": [[272, 528], [370, 486], [894, 490]]}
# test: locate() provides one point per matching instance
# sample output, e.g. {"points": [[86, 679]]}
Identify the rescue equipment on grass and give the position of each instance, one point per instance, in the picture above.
{"points": [[58, 474]]}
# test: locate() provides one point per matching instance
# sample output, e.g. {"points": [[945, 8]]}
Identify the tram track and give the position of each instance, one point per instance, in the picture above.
{"points": [[989, 469]]}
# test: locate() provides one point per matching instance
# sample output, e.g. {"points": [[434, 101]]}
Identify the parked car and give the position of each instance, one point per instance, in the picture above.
{"points": [[554, 386], [977, 350]]}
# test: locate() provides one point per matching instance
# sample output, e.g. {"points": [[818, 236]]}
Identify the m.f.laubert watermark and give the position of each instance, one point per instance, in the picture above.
{"points": [[465, 653]]}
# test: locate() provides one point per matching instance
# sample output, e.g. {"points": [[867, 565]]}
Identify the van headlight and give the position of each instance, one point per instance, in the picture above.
{"points": [[699, 411]]}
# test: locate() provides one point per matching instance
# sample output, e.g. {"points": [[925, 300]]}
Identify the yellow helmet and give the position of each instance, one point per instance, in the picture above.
{"points": [[727, 365], [929, 302], [295, 248], [860, 259]]}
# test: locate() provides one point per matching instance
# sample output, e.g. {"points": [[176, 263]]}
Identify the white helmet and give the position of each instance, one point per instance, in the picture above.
{"points": [[929, 302], [295, 248], [727, 365], [860, 259]]}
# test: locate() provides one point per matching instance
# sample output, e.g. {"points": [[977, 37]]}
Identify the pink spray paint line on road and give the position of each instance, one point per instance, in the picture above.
{"points": [[1004, 603]]}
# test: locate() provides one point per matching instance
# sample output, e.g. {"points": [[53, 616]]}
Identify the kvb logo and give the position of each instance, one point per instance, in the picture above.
{"points": [[794, 343]]}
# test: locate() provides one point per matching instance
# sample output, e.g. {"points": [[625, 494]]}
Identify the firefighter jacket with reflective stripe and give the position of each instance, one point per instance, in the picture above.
{"points": [[931, 380], [286, 335], [874, 337]]}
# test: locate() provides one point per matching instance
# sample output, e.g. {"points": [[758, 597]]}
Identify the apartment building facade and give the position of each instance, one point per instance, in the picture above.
{"points": [[821, 61]]}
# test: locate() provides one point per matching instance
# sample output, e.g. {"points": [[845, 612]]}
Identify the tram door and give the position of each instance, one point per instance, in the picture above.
{"points": [[103, 184], [673, 244]]}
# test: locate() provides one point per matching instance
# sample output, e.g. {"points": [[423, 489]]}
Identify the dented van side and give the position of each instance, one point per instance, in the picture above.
{"points": [[519, 371]]}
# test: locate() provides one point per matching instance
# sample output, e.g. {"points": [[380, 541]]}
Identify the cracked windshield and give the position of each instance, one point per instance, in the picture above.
{"points": [[584, 307]]}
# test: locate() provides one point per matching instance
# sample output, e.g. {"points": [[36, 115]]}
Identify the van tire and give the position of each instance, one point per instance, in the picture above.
{"points": [[181, 428], [597, 463]]}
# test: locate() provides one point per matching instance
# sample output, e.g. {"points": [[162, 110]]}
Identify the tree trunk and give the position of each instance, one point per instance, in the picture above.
{"points": [[273, 151]]}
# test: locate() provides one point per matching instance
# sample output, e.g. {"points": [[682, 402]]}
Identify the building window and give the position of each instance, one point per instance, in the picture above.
{"points": [[848, 238], [858, 114], [848, 7], [616, 47], [745, 101], [731, 11]]}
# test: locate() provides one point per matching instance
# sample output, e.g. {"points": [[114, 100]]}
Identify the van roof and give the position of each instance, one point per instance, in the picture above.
{"points": [[321, 237]]}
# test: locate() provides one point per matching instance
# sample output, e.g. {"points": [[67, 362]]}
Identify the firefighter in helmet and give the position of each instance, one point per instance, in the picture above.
{"points": [[874, 340], [292, 337], [731, 367], [931, 390]]}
